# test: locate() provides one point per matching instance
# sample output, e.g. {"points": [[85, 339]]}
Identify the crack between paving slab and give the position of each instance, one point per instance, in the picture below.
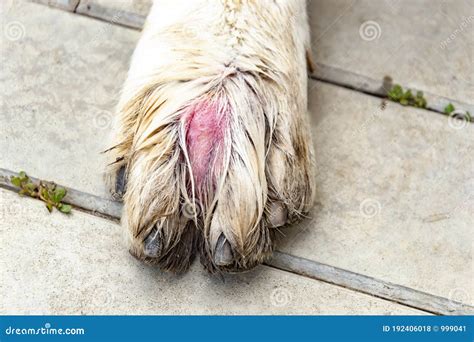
{"points": [[367, 285], [91, 16], [369, 86], [399, 294], [133, 22], [324, 73]]}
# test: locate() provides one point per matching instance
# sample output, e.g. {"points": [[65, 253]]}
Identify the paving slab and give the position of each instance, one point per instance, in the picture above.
{"points": [[425, 44], [77, 264], [125, 12], [60, 75], [68, 5], [395, 194]]}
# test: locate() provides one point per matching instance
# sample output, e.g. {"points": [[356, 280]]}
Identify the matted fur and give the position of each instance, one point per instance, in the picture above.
{"points": [[250, 58]]}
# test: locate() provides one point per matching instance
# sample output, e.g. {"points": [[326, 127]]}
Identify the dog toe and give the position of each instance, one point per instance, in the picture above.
{"points": [[277, 214]]}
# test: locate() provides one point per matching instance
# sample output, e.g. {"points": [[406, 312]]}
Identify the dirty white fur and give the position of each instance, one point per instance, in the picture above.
{"points": [[252, 53]]}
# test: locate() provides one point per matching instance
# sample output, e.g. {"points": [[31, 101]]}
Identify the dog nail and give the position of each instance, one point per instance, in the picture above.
{"points": [[278, 215], [152, 244], [120, 183], [223, 253]]}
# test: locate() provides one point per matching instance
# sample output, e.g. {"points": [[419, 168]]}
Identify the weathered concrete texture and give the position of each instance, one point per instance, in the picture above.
{"points": [[395, 194], [425, 44], [60, 75], [68, 5], [126, 12], [58, 264]]}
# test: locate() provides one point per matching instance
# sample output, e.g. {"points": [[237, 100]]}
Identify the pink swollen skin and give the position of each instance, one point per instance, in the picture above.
{"points": [[206, 125]]}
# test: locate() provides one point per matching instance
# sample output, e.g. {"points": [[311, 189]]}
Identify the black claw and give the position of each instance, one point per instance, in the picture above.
{"points": [[152, 244], [223, 253], [121, 182]]}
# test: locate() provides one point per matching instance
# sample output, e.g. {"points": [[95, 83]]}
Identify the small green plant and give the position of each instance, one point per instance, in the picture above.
{"points": [[450, 110], [406, 98], [48, 192]]}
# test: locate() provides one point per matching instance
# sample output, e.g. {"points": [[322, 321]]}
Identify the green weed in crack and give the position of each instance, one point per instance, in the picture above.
{"points": [[406, 98], [48, 192]]}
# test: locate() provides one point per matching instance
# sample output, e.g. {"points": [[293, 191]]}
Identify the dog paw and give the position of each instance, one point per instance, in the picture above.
{"points": [[212, 144]]}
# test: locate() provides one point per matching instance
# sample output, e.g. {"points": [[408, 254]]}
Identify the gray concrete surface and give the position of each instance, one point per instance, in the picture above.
{"points": [[57, 264], [68, 5], [313, 269], [425, 44], [395, 194], [60, 76], [125, 12]]}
